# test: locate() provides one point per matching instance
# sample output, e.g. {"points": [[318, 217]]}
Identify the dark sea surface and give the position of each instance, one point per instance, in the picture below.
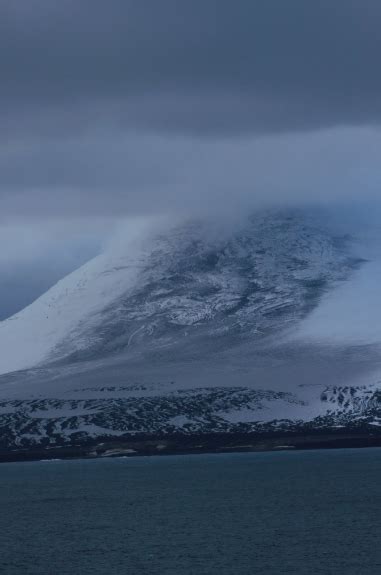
{"points": [[268, 513]]}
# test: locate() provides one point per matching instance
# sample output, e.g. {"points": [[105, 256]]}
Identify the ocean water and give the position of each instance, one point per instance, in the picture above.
{"points": [[269, 513]]}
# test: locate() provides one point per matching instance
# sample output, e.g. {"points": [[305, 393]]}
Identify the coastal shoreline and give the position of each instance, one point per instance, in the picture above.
{"points": [[191, 444]]}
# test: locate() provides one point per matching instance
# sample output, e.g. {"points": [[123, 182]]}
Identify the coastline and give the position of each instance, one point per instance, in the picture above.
{"points": [[192, 444]]}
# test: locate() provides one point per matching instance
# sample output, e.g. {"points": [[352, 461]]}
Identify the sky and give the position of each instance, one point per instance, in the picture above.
{"points": [[122, 108]]}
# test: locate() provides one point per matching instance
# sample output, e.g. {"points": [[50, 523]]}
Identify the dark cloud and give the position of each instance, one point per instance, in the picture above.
{"points": [[206, 66], [130, 106]]}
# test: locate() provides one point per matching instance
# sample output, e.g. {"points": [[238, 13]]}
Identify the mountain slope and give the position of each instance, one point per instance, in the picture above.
{"points": [[185, 328], [32, 335]]}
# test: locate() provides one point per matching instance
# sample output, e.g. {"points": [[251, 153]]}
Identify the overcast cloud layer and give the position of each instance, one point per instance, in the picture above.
{"points": [[138, 106], [212, 66]]}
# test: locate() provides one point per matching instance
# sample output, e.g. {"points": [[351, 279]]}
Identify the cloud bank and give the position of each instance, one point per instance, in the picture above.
{"points": [[150, 107]]}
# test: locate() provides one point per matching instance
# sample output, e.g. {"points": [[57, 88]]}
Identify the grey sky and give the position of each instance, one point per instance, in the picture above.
{"points": [[201, 66], [147, 105]]}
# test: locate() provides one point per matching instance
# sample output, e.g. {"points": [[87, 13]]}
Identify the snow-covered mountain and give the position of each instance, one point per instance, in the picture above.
{"points": [[189, 327]]}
